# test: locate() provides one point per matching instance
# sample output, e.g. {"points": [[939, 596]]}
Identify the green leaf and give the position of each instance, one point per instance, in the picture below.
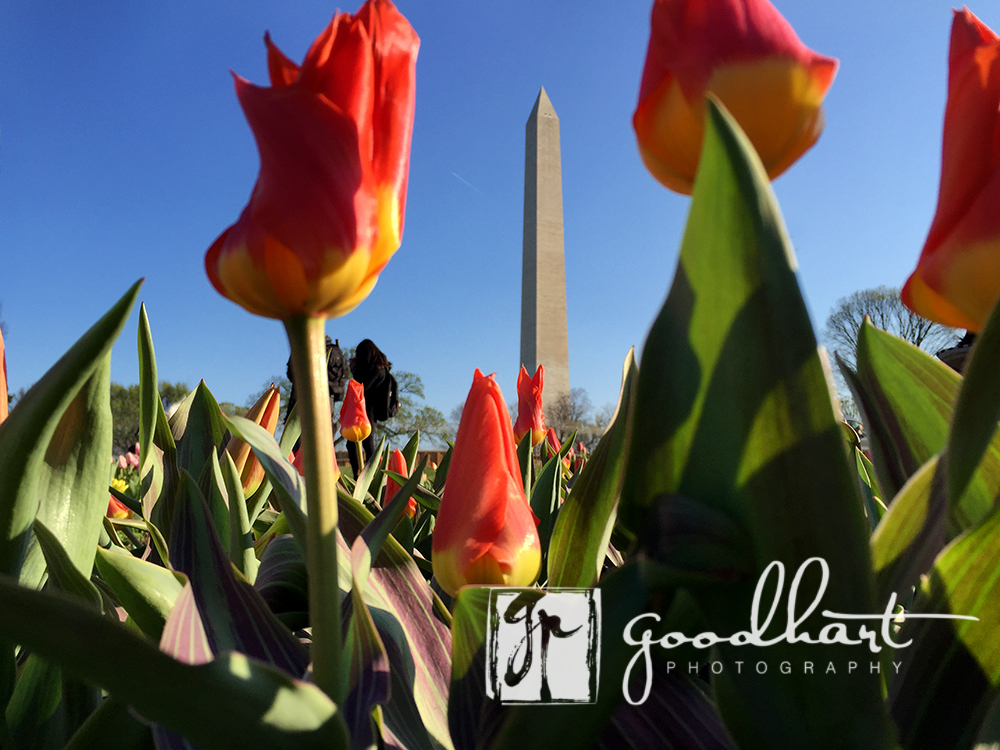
{"points": [[368, 544], [414, 627], [213, 488], [149, 393], [35, 714], [198, 428], [257, 503], [289, 487], [524, 458], [241, 549], [368, 669], [976, 411], [74, 476], [234, 615], [230, 702], [112, 727], [364, 481], [146, 591], [441, 475], [951, 672], [546, 495], [410, 451], [912, 532], [734, 412], [59, 408], [583, 528], [282, 581], [906, 397], [61, 569]]}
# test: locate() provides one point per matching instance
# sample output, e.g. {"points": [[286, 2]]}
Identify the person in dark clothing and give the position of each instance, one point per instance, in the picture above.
{"points": [[336, 373], [369, 367]]}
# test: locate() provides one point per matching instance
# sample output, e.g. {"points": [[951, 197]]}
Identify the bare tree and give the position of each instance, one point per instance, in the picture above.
{"points": [[569, 412], [886, 311]]}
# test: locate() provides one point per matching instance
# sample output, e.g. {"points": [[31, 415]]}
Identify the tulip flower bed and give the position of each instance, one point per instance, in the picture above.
{"points": [[232, 593]]}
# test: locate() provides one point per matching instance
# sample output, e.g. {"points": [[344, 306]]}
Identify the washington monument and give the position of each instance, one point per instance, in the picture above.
{"points": [[543, 267]]}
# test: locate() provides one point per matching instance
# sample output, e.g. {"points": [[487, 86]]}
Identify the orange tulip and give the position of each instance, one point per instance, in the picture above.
{"points": [[265, 413], [397, 463], [334, 141], [957, 279], [748, 56], [529, 406], [117, 509], [354, 424], [485, 532], [3, 381]]}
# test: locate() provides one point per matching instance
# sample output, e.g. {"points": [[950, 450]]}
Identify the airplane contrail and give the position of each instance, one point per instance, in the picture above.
{"points": [[466, 182]]}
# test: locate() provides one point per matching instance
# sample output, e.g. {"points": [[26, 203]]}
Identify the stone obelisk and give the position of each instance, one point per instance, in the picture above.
{"points": [[543, 267]]}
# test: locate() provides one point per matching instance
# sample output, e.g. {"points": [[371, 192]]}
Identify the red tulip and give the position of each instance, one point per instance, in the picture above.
{"points": [[295, 459], [117, 509], [398, 464], [553, 442], [354, 424], [748, 56], [485, 532], [3, 381], [957, 279], [265, 413], [334, 141], [529, 406]]}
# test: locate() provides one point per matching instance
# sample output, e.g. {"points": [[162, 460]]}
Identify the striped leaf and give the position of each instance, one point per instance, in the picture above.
{"points": [[232, 701], [950, 674], [734, 412], [146, 591], [234, 615], [414, 626]]}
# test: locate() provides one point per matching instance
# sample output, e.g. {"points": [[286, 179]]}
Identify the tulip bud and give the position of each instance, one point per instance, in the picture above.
{"points": [[117, 509], [295, 459], [529, 406], [747, 55], [334, 142], [265, 413], [354, 424], [957, 280], [485, 531], [397, 463]]}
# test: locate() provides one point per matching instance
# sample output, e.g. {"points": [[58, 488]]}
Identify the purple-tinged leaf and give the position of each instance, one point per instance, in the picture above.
{"points": [[229, 702], [677, 714], [234, 615], [368, 670], [184, 634], [396, 592]]}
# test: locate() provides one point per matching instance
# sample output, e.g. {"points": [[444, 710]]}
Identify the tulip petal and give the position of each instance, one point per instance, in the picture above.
{"points": [[485, 532], [971, 122], [326, 213], [280, 69], [957, 279], [747, 55]]}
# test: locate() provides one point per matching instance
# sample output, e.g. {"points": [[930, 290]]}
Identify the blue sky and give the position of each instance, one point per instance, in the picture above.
{"points": [[124, 153]]}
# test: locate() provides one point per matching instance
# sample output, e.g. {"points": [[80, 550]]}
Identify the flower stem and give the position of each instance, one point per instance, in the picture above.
{"points": [[307, 337], [361, 457]]}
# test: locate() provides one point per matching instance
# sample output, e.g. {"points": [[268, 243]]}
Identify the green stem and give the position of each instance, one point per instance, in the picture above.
{"points": [[307, 337], [361, 457]]}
